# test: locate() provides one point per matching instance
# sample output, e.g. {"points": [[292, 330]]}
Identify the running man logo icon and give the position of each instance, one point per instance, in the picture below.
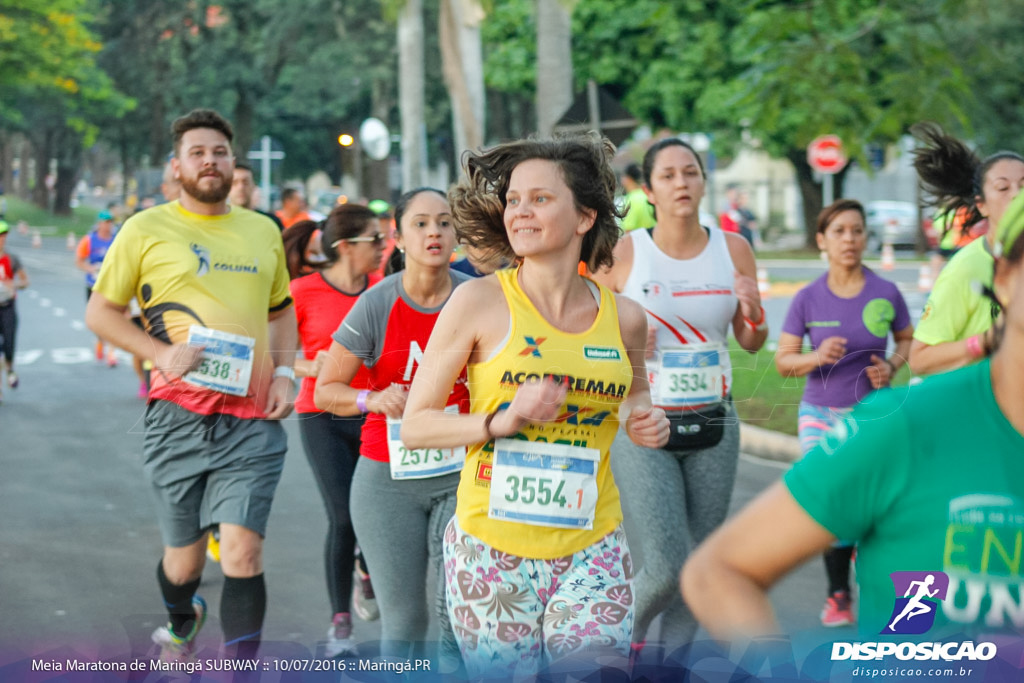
{"points": [[532, 346], [914, 612], [203, 254]]}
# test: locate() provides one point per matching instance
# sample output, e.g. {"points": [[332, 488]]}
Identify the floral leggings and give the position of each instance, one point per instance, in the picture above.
{"points": [[512, 615]]}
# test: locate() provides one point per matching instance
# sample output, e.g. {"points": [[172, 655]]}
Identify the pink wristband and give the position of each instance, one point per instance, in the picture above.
{"points": [[361, 401], [975, 349]]}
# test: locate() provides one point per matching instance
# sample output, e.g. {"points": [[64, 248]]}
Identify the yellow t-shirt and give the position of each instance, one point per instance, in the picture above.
{"points": [[599, 375], [956, 308], [223, 272]]}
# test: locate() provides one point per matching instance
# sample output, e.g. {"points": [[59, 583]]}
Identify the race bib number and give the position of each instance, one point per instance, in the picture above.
{"points": [[544, 484], [226, 361], [421, 463], [689, 376]]}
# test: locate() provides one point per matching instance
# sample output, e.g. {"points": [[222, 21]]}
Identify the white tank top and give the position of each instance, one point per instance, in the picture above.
{"points": [[688, 301]]}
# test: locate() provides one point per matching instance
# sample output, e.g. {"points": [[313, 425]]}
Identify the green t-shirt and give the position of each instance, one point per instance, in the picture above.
{"points": [[639, 212], [956, 308], [926, 478]]}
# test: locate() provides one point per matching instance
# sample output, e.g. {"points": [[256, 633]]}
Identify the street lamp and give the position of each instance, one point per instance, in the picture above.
{"points": [[348, 142]]}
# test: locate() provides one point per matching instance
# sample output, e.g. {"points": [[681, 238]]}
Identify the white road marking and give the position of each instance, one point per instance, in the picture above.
{"points": [[27, 357]]}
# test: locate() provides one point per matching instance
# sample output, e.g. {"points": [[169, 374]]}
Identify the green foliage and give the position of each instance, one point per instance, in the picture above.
{"points": [[45, 43], [986, 43], [510, 47], [854, 68]]}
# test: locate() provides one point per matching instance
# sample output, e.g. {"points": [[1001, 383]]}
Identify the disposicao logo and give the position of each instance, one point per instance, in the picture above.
{"points": [[918, 595]]}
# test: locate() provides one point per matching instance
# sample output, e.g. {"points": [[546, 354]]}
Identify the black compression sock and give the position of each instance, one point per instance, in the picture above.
{"points": [[178, 600], [243, 603], [837, 566]]}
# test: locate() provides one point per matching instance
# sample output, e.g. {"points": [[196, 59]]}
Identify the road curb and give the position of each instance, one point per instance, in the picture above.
{"points": [[769, 444]]}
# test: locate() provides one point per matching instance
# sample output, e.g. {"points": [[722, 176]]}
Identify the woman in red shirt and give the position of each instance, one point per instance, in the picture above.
{"points": [[354, 247]]}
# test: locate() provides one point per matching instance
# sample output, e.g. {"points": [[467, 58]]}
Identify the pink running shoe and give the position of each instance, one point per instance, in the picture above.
{"points": [[838, 610]]}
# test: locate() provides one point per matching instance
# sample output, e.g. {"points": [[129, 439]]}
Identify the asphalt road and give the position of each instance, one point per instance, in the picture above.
{"points": [[79, 542]]}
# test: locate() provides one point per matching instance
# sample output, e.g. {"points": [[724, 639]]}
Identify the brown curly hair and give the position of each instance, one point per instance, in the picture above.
{"points": [[478, 203]]}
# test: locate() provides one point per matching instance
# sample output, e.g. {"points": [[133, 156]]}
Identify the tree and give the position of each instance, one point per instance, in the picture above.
{"points": [[459, 33], [55, 93], [44, 43], [410, 92], [987, 47], [554, 62], [853, 68]]}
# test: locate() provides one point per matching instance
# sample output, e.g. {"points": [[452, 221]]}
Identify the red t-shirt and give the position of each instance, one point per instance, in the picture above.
{"points": [[320, 308], [390, 334]]}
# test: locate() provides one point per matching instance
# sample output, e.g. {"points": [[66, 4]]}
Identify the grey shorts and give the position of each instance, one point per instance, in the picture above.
{"points": [[208, 469]]}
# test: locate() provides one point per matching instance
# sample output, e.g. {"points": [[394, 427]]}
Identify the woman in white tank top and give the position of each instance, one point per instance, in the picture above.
{"points": [[695, 284]]}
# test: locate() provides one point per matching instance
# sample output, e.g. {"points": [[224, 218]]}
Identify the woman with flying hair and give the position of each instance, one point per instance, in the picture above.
{"points": [[536, 560]]}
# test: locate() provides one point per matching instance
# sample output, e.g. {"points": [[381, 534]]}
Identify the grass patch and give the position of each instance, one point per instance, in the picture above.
{"points": [[766, 399], [79, 222], [809, 254], [902, 255]]}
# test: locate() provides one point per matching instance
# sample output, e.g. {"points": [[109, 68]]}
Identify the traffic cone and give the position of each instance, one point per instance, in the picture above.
{"points": [[924, 279], [71, 241], [888, 257], [763, 286], [37, 239]]}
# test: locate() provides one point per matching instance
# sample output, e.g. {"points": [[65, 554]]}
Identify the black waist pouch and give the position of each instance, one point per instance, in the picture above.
{"points": [[693, 430]]}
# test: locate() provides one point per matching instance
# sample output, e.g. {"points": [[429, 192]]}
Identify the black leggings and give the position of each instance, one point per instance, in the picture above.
{"points": [[8, 328], [332, 446]]}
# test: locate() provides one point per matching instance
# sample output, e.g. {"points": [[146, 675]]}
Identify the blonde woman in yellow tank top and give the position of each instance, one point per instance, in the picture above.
{"points": [[536, 562]]}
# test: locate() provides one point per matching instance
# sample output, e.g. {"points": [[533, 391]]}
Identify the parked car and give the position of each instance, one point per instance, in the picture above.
{"points": [[895, 223]]}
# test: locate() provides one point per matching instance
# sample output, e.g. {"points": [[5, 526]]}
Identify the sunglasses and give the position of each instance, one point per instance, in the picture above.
{"points": [[375, 239]]}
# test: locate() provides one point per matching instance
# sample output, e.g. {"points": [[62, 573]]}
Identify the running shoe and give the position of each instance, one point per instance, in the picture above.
{"points": [[175, 648], [12, 379], [339, 637], [143, 390], [213, 545], [99, 352], [364, 602], [111, 359], [838, 610]]}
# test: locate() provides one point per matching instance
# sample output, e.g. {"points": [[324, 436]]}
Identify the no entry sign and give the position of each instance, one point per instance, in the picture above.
{"points": [[825, 154]]}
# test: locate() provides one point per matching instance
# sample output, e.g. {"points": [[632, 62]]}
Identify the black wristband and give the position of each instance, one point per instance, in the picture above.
{"points": [[892, 367], [487, 423]]}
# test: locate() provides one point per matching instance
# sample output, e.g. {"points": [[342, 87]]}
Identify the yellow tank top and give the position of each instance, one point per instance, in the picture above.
{"points": [[553, 488]]}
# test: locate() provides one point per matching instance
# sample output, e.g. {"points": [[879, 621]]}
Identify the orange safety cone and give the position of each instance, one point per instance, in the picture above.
{"points": [[763, 286], [71, 241], [924, 279], [37, 239], [888, 257]]}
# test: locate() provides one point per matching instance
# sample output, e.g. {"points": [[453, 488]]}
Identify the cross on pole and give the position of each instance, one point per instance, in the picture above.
{"points": [[265, 155]]}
